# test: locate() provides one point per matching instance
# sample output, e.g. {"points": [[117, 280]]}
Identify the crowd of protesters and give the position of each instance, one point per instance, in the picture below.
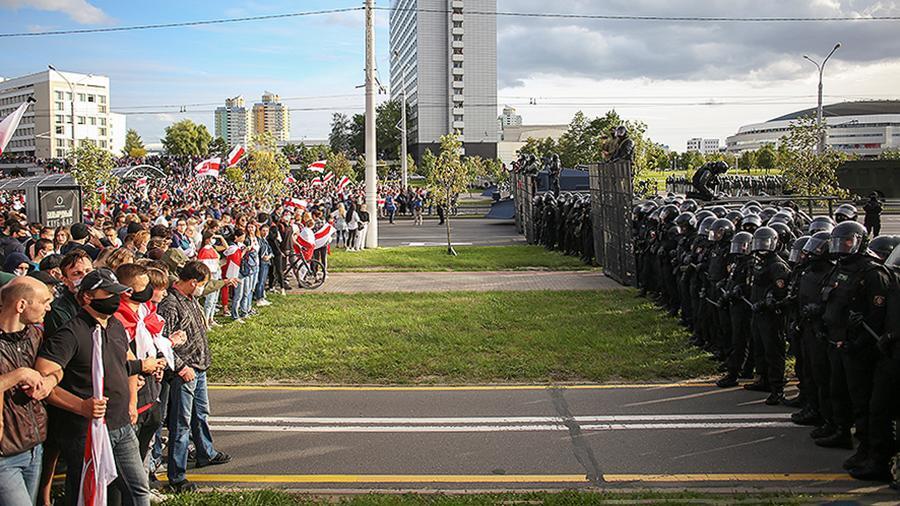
{"points": [[107, 321]]}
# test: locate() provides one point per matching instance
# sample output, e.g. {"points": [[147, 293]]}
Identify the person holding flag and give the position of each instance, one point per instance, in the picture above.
{"points": [[96, 395]]}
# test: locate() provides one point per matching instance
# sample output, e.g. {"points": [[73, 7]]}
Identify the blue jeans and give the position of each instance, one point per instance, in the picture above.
{"points": [[209, 305], [188, 420], [20, 475], [132, 480], [243, 290], [259, 292]]}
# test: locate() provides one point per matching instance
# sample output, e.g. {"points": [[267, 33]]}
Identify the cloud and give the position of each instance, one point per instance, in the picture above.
{"points": [[80, 11], [663, 50]]}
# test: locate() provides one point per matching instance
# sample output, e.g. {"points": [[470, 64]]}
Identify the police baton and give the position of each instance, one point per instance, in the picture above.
{"points": [[711, 302], [868, 329], [746, 301]]}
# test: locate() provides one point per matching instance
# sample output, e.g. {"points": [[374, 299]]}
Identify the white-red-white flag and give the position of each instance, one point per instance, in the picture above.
{"points": [[323, 235], [99, 467], [209, 167], [235, 156], [316, 181], [296, 203], [328, 177], [318, 166], [141, 182], [343, 183], [10, 123], [289, 179]]}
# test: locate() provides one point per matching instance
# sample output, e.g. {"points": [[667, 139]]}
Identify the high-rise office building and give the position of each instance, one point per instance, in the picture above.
{"points": [[234, 123], [271, 116], [444, 53], [46, 128]]}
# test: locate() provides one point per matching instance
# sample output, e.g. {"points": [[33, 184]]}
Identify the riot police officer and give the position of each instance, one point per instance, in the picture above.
{"points": [[720, 236], [855, 297], [768, 286], [738, 310]]}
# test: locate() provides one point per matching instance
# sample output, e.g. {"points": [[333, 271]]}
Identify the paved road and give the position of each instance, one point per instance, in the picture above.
{"points": [[472, 438], [356, 282], [465, 231]]}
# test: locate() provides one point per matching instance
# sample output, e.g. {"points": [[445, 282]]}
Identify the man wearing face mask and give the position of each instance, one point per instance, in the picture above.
{"points": [[188, 397], [67, 356], [74, 266]]}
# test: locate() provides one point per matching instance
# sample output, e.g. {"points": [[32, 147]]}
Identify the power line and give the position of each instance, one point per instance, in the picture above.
{"points": [[632, 17], [181, 24]]}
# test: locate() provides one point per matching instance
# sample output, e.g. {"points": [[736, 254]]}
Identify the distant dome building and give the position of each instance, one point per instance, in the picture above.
{"points": [[861, 128]]}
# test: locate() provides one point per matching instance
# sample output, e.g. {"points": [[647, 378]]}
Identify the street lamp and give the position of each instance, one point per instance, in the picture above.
{"points": [[72, 93], [404, 169], [820, 111]]}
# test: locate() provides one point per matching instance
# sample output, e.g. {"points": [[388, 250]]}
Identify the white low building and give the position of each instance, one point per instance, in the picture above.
{"points": [[861, 128]]}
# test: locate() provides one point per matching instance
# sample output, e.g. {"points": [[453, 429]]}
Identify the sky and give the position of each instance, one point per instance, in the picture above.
{"points": [[696, 79]]}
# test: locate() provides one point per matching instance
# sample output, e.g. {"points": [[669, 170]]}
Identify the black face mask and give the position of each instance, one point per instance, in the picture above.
{"points": [[144, 295], [107, 306]]}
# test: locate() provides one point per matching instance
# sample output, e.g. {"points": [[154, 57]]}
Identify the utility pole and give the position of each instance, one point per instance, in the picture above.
{"points": [[820, 110], [404, 168], [371, 174]]}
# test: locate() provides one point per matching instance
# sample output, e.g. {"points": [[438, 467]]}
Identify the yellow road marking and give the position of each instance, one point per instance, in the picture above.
{"points": [[310, 388], [552, 478]]}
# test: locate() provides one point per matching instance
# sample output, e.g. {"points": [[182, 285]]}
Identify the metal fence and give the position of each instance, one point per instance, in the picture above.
{"points": [[612, 194]]}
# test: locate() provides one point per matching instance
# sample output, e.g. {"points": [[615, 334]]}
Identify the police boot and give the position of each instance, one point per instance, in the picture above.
{"points": [[857, 459], [824, 430], [759, 385], [839, 439], [775, 398], [727, 381], [806, 416], [871, 471], [795, 402]]}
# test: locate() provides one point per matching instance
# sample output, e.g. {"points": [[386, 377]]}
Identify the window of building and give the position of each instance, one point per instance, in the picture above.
{"points": [[60, 143], [92, 98], [60, 106], [457, 78], [101, 108], [102, 99], [60, 130], [457, 91], [60, 153], [81, 120], [59, 95], [69, 96], [102, 121], [457, 50], [457, 38], [457, 117], [457, 65], [81, 97], [102, 131], [93, 121], [457, 24], [102, 144]]}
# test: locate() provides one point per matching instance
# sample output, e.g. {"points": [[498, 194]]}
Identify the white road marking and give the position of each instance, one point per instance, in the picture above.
{"points": [[497, 428], [498, 420]]}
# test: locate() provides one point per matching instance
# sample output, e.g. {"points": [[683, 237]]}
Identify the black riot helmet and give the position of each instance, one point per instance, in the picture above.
{"points": [[782, 217], [754, 209], [785, 234], [750, 203], [893, 260], [764, 239], [767, 213], [881, 247], [668, 213], [817, 245], [821, 224], [686, 223], [750, 223], [689, 206], [703, 214], [797, 254], [719, 211], [705, 225], [845, 212], [721, 230], [734, 217], [740, 243], [848, 238]]}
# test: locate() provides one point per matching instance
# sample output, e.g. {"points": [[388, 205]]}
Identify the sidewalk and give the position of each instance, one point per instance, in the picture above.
{"points": [[504, 281]]}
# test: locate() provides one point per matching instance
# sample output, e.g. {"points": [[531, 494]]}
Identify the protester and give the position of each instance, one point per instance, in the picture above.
{"points": [[23, 304]]}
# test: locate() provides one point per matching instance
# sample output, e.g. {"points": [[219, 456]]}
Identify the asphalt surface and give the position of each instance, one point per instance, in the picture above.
{"points": [[371, 282], [474, 438], [464, 232]]}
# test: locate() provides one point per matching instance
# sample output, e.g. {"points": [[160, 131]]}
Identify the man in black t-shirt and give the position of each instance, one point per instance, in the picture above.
{"points": [[67, 357]]}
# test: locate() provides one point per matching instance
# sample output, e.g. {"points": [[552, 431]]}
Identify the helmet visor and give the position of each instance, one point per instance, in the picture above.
{"points": [[844, 245], [764, 243], [816, 246], [740, 248]]}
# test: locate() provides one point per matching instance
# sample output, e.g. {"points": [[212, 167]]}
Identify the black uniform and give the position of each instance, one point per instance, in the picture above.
{"points": [[769, 278]]}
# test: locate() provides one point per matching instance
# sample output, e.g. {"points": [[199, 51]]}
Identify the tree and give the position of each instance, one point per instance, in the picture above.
{"points": [[387, 135], [429, 161], [340, 165], [265, 172], [339, 139], [690, 161], [358, 135], [807, 171], [411, 164], [186, 139], [92, 169], [748, 160], [218, 147], [539, 147], [451, 176], [134, 146], [766, 157], [890, 154]]}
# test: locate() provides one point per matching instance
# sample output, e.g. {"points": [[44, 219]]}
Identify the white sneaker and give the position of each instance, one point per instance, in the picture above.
{"points": [[157, 497], [263, 303]]}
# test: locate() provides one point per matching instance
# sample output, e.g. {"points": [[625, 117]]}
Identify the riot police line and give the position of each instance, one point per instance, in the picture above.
{"points": [[732, 186], [754, 283]]}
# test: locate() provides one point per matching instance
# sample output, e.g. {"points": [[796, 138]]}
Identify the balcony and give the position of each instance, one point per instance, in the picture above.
{"points": [[458, 84], [458, 110], [457, 17], [458, 72], [458, 57], [458, 31], [458, 44], [459, 124], [457, 4]]}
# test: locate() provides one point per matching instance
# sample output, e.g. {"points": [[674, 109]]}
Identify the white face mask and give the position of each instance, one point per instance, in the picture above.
{"points": [[77, 282], [21, 272], [199, 290]]}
